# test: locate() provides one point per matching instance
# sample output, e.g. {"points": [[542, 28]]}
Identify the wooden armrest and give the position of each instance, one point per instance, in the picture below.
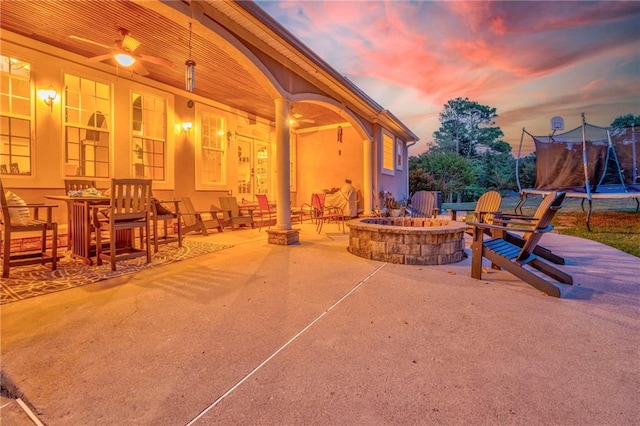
{"points": [[516, 222], [507, 228], [514, 216]]}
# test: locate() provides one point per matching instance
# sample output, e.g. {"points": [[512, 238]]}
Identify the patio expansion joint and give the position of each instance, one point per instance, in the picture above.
{"points": [[281, 348]]}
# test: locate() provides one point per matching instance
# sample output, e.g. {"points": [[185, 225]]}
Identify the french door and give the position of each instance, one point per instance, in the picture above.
{"points": [[254, 167]]}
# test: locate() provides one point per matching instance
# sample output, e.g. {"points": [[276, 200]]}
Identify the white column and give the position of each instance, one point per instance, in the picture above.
{"points": [[368, 176], [283, 195]]}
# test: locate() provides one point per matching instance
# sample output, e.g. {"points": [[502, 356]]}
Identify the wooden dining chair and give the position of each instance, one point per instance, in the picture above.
{"points": [[129, 209], [20, 217]]}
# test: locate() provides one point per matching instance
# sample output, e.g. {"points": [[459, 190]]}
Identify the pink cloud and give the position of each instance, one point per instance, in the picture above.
{"points": [[495, 52]]}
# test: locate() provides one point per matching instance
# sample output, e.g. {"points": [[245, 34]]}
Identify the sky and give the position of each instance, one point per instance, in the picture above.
{"points": [[531, 60]]}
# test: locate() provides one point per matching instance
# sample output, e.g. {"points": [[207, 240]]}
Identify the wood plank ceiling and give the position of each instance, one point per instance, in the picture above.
{"points": [[218, 76]]}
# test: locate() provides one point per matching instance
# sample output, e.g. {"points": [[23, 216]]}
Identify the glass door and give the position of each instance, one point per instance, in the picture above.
{"points": [[253, 168]]}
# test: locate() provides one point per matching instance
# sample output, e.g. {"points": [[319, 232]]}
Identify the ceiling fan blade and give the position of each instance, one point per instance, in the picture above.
{"points": [[86, 40], [155, 60], [139, 69], [100, 58]]}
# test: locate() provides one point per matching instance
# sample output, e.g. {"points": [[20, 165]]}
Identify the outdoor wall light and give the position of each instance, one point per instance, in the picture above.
{"points": [[186, 126], [124, 59], [49, 96]]}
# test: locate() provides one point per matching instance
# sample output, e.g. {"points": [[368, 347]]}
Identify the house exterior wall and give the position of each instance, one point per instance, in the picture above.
{"points": [[325, 163]]}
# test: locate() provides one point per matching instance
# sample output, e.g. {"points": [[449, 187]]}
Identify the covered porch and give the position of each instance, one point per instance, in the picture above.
{"points": [[264, 115]]}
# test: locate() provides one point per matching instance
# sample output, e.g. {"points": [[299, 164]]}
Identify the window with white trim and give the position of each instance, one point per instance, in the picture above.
{"points": [[87, 115], [399, 156], [388, 159], [213, 145], [149, 136], [16, 116]]}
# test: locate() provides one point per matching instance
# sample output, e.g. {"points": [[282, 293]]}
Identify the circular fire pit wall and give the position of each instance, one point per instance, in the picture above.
{"points": [[410, 241]]}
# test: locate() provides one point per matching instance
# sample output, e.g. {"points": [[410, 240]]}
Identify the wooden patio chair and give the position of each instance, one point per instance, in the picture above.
{"points": [[515, 239], [161, 213], [424, 204], [20, 217], [516, 259], [198, 221], [231, 210], [129, 209], [487, 206]]}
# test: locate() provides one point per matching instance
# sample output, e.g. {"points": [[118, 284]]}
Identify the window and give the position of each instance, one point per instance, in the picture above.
{"points": [[149, 136], [87, 114], [212, 161], [15, 116], [387, 154], [399, 159]]}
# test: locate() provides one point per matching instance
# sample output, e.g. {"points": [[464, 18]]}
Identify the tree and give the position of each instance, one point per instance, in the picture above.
{"points": [[626, 120], [465, 126], [440, 171]]}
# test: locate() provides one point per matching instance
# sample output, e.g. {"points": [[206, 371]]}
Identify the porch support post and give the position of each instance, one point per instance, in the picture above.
{"points": [[283, 195], [368, 177]]}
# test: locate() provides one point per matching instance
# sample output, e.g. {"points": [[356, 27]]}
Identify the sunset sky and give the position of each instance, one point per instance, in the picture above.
{"points": [[529, 60]]}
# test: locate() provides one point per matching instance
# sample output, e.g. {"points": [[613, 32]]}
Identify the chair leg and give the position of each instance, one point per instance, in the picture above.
{"points": [[147, 230], [6, 254], [54, 247], [112, 249], [155, 236], [98, 247]]}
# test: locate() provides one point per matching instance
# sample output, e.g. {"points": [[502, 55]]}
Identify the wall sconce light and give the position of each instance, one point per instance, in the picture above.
{"points": [[339, 134], [230, 137], [186, 126], [49, 96]]}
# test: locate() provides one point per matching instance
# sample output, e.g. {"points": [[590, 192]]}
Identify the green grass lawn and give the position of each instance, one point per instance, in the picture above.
{"points": [[615, 223]]}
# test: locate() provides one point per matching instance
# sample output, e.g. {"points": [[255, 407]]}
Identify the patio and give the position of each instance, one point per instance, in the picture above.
{"points": [[310, 334]]}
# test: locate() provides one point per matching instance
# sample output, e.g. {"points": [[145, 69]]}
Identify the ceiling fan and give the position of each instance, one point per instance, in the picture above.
{"points": [[296, 119], [123, 52]]}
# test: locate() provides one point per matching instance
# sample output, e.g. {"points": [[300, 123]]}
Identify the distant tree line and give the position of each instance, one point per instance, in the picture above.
{"points": [[469, 157]]}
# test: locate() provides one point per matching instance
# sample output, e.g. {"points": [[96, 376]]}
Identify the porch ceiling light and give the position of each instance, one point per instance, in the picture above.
{"points": [[190, 69], [124, 59]]}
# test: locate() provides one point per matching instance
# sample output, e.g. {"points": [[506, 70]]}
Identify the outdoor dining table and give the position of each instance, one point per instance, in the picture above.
{"points": [[80, 225]]}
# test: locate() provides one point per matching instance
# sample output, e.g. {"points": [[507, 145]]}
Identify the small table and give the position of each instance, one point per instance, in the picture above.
{"points": [[80, 224], [454, 208]]}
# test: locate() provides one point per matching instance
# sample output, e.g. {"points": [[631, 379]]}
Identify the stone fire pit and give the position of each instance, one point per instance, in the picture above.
{"points": [[409, 241]]}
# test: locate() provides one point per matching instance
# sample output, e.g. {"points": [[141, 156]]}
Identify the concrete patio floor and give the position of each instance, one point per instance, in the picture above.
{"points": [[309, 334]]}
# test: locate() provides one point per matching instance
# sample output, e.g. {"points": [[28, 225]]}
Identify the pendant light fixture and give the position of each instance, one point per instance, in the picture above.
{"points": [[190, 69]]}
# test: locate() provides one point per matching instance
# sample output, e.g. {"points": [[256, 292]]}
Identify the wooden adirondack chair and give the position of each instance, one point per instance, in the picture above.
{"points": [[516, 259], [424, 204], [231, 211], [198, 221], [487, 207], [515, 239]]}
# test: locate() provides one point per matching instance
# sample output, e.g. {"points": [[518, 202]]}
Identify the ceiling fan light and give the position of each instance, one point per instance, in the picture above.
{"points": [[124, 59]]}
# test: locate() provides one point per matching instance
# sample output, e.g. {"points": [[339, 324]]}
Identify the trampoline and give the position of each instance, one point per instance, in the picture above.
{"points": [[588, 162]]}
